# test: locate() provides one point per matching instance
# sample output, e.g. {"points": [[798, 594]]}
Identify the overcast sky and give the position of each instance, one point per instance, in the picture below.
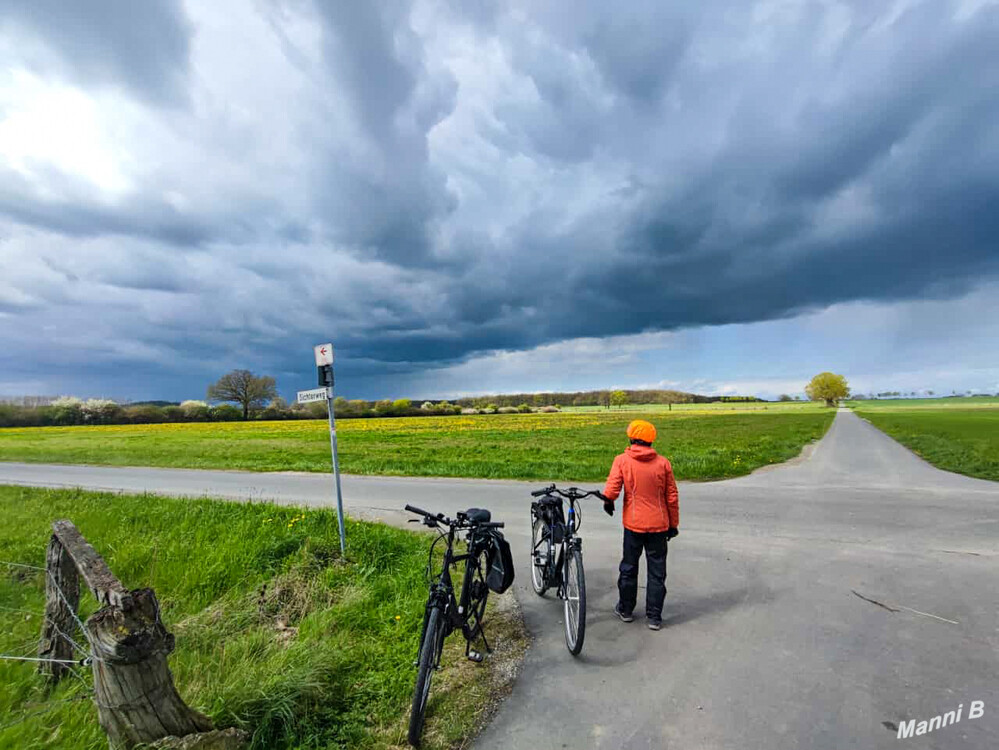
{"points": [[476, 197]]}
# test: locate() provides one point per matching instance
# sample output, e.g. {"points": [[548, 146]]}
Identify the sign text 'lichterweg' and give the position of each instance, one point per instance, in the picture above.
{"points": [[316, 394]]}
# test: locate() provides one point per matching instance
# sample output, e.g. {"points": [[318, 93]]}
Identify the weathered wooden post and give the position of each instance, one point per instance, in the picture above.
{"points": [[62, 598], [137, 702]]}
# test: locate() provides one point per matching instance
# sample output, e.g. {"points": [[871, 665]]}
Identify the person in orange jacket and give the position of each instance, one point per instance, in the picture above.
{"points": [[651, 517]]}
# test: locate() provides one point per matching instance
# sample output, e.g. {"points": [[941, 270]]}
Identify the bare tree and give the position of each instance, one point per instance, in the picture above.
{"points": [[243, 388]]}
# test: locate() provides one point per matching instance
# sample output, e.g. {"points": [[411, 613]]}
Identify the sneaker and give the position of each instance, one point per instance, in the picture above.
{"points": [[624, 617], [655, 623]]}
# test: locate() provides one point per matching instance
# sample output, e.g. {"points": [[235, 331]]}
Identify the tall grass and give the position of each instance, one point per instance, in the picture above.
{"points": [[275, 632]]}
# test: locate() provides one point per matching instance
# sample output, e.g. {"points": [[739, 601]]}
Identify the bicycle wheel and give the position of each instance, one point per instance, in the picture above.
{"points": [[430, 649], [540, 543], [575, 601]]}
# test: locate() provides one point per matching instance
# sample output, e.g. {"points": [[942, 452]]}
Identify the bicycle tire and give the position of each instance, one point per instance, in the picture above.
{"points": [[430, 648], [575, 622], [538, 575]]}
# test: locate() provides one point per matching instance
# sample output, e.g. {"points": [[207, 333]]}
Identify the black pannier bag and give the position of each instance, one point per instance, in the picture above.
{"points": [[499, 563]]}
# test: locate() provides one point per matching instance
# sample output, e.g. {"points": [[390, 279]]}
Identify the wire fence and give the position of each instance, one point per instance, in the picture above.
{"points": [[73, 665]]}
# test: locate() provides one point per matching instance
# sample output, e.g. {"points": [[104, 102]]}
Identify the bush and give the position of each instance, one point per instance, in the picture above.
{"points": [[316, 410], [277, 409], [548, 409], [195, 411], [524, 409], [225, 413], [174, 414], [66, 410], [507, 410], [100, 411], [144, 414]]}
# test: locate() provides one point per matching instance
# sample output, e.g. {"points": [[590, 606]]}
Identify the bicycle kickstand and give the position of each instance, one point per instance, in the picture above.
{"points": [[477, 656]]}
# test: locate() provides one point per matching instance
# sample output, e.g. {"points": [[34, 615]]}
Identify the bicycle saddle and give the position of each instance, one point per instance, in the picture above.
{"points": [[478, 515]]}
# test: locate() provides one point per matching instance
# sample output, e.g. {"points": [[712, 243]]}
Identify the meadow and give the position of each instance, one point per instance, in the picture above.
{"points": [[701, 444], [275, 632], [960, 435]]}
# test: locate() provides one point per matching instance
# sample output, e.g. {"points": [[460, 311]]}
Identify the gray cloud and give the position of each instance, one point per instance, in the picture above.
{"points": [[425, 185], [142, 47]]}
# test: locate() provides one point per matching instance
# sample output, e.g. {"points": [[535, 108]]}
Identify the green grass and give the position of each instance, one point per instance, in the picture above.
{"points": [[910, 404], [574, 447], [965, 440], [275, 633]]}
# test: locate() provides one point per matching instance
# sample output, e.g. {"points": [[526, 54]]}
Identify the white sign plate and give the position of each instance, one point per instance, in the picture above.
{"points": [[316, 394], [324, 354]]}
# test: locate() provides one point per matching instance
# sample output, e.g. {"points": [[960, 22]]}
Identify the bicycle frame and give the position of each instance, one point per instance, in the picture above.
{"points": [[555, 571], [457, 611]]}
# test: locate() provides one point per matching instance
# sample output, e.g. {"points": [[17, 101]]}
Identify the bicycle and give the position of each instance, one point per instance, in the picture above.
{"points": [[557, 556], [488, 566]]}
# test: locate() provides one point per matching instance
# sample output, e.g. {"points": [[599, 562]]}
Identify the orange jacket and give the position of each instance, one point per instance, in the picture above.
{"points": [[651, 502]]}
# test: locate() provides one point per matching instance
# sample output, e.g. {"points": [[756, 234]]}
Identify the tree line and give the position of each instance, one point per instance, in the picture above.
{"points": [[68, 411], [603, 398], [241, 395]]}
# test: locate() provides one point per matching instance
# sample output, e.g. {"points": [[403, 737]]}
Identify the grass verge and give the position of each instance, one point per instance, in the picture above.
{"points": [[275, 632], [574, 447], [961, 440]]}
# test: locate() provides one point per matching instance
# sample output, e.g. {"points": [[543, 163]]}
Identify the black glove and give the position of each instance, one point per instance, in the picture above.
{"points": [[672, 533], [609, 508], [601, 496]]}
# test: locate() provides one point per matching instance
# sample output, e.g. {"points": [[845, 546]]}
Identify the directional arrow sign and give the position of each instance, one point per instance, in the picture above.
{"points": [[324, 354], [316, 394]]}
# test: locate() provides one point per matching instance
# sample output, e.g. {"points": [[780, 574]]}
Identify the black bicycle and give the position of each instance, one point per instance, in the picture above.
{"points": [[488, 566], [557, 556]]}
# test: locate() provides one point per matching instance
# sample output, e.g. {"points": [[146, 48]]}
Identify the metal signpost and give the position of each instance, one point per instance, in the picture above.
{"points": [[324, 367]]}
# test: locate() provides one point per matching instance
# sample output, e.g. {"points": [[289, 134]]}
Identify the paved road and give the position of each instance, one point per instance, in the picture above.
{"points": [[765, 644]]}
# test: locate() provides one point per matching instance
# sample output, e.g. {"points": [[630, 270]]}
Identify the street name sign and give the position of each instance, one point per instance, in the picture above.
{"points": [[316, 394]]}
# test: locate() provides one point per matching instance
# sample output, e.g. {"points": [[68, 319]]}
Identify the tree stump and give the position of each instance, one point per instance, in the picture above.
{"points": [[134, 691]]}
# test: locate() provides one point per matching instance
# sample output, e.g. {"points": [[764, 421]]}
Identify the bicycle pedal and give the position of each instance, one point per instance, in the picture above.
{"points": [[476, 657]]}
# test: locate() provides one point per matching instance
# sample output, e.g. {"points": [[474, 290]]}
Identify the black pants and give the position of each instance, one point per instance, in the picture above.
{"points": [[655, 547]]}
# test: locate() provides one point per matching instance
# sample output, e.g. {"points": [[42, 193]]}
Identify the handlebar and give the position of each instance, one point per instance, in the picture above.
{"points": [[432, 519], [571, 493]]}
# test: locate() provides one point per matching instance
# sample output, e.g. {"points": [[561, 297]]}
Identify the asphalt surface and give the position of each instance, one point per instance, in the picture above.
{"points": [[767, 642]]}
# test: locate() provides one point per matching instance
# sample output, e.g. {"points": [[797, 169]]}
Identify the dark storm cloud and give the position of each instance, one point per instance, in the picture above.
{"points": [[388, 204], [427, 184], [142, 46]]}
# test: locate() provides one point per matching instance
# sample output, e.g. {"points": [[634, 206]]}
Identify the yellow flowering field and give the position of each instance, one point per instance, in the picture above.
{"points": [[558, 446]]}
